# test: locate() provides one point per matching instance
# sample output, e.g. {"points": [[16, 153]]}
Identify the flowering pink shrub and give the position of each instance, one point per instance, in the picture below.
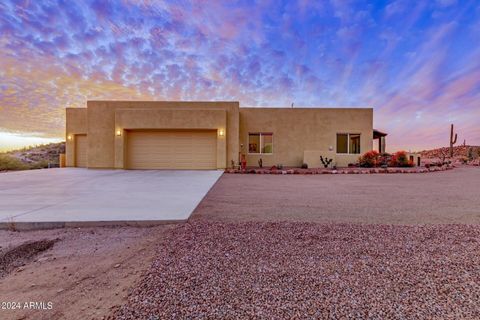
{"points": [[400, 159], [369, 159]]}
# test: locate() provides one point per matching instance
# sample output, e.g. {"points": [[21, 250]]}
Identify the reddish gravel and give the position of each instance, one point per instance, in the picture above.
{"points": [[305, 270], [448, 197]]}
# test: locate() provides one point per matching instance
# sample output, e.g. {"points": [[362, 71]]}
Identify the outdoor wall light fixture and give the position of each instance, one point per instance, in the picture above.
{"points": [[119, 133], [69, 137], [221, 133]]}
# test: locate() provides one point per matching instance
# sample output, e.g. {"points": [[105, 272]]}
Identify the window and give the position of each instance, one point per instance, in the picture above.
{"points": [[254, 143], [348, 143], [260, 143], [342, 143], [354, 144], [267, 142]]}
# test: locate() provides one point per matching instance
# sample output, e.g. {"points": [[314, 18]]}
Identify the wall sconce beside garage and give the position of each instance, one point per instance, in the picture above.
{"points": [[118, 133], [221, 132], [69, 137]]}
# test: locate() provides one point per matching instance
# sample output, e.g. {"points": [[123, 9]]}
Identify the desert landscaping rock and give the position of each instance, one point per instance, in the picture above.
{"points": [[279, 270], [354, 170], [447, 197]]}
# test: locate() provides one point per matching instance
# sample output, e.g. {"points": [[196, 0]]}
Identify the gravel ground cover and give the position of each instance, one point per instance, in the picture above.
{"points": [[447, 197], [276, 270]]}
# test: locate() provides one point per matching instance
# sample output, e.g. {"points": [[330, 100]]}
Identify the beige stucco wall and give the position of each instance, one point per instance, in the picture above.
{"points": [[299, 129], [76, 124], [299, 134], [102, 126], [134, 119]]}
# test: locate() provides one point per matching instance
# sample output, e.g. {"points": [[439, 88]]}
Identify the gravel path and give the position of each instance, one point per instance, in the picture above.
{"points": [[303, 270]]}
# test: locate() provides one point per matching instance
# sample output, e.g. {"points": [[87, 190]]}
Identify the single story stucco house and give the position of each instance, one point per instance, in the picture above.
{"points": [[213, 135]]}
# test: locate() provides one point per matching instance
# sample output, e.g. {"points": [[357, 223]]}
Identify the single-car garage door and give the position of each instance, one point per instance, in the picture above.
{"points": [[172, 149], [81, 150]]}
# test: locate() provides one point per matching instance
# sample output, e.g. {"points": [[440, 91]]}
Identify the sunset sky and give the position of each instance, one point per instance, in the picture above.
{"points": [[417, 63]]}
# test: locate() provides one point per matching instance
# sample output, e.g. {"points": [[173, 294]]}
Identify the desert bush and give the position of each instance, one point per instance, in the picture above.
{"points": [[369, 159], [400, 159], [304, 166], [470, 153], [384, 159], [42, 164], [8, 162]]}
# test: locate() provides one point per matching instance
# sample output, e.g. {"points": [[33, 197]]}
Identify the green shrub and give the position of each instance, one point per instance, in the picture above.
{"points": [[11, 163]]}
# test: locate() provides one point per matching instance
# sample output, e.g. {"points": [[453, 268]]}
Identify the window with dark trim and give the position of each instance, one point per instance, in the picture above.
{"points": [[260, 143], [348, 143]]}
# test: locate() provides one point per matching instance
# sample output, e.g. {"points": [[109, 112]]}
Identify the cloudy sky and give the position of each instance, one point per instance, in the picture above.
{"points": [[416, 62]]}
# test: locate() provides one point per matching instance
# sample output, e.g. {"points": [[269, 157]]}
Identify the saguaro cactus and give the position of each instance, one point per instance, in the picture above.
{"points": [[453, 140]]}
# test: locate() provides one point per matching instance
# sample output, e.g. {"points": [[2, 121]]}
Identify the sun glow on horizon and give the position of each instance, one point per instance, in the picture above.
{"points": [[417, 63], [12, 141]]}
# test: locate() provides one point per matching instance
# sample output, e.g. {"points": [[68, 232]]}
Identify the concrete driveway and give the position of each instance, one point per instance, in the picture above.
{"points": [[72, 195]]}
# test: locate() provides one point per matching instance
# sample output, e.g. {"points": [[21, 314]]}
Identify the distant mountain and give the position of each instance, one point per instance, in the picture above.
{"points": [[37, 157]]}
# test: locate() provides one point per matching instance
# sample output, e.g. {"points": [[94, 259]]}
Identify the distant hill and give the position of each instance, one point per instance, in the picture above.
{"points": [[458, 152], [37, 157]]}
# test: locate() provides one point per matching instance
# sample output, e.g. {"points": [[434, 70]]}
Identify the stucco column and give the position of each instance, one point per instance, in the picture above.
{"points": [[120, 139]]}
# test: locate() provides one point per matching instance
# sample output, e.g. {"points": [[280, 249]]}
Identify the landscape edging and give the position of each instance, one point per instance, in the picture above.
{"points": [[341, 171]]}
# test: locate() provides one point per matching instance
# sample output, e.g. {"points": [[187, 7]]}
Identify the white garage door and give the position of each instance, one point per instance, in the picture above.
{"points": [[81, 150], [173, 149]]}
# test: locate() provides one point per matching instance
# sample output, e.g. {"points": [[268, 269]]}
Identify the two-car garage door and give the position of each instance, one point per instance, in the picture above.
{"points": [[172, 149]]}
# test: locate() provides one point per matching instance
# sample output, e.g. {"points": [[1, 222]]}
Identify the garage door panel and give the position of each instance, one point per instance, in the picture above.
{"points": [[81, 150], [171, 149]]}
